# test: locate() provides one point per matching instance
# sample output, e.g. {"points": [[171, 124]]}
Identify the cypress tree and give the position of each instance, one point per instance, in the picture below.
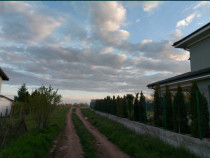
{"points": [[114, 106], [180, 114], [125, 112], [158, 112], [129, 103], [136, 108], [119, 106], [169, 110], [142, 109], [204, 114]]}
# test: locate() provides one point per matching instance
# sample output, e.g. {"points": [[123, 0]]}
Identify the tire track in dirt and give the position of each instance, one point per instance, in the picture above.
{"points": [[69, 146], [105, 148]]}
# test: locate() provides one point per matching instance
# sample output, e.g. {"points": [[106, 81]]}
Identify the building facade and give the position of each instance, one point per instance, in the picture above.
{"points": [[198, 44]]}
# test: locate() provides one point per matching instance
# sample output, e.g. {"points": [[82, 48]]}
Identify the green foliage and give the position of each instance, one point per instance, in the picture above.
{"points": [[136, 108], [158, 108], [23, 97], [142, 110], [129, 104], [169, 109], [36, 143], [42, 102], [87, 140], [180, 114], [119, 107], [23, 94], [204, 114], [135, 145], [125, 111]]}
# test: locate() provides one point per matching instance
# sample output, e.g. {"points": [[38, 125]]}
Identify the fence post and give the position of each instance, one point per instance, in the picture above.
{"points": [[198, 111], [164, 111], [145, 111]]}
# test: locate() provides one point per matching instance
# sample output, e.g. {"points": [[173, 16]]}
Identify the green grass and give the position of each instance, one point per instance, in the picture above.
{"points": [[135, 145], [87, 140], [36, 143]]}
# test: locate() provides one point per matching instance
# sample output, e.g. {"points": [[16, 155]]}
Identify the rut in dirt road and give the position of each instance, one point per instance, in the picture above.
{"points": [[105, 148], [69, 146]]}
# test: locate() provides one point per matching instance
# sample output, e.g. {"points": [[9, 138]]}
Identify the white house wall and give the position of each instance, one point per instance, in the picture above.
{"points": [[5, 104], [200, 55]]}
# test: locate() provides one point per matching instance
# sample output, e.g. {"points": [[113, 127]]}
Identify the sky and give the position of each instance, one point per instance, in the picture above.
{"points": [[88, 50]]}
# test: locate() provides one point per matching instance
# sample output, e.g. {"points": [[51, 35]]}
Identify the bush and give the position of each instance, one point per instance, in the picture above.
{"points": [[43, 101]]}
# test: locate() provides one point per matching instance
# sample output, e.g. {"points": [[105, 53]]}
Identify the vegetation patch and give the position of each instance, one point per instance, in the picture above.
{"points": [[36, 143], [134, 144], [87, 140]]}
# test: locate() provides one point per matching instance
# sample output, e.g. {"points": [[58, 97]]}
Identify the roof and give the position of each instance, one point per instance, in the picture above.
{"points": [[2, 96], [3, 75], [185, 76], [195, 36]]}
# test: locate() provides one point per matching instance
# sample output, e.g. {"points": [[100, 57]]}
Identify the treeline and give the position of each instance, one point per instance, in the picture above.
{"points": [[170, 110], [128, 106]]}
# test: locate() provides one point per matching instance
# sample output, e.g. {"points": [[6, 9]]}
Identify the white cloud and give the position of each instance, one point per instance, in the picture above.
{"points": [[188, 20], [22, 22], [107, 19], [149, 5], [146, 41], [201, 4], [137, 20]]}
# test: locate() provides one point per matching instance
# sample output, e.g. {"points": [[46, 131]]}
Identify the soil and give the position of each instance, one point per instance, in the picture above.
{"points": [[67, 144], [105, 148]]}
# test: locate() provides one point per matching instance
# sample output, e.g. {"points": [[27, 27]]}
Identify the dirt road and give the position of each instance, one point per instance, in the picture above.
{"points": [[69, 146], [105, 148]]}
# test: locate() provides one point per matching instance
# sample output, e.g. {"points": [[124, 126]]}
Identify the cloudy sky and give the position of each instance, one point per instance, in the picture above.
{"points": [[94, 49]]}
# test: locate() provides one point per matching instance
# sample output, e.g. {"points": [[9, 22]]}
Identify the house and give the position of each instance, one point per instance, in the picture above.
{"points": [[5, 102], [198, 44]]}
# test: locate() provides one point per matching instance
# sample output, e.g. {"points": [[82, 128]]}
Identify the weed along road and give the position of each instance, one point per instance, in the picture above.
{"points": [[69, 145], [105, 148]]}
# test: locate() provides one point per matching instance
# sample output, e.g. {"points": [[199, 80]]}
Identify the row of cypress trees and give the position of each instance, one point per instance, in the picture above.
{"points": [[176, 116], [128, 106]]}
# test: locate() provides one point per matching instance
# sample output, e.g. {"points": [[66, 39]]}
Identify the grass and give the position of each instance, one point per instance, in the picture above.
{"points": [[135, 145], [36, 143], [87, 140]]}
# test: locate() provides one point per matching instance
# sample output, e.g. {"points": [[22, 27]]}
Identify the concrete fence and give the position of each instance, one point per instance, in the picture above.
{"points": [[201, 148]]}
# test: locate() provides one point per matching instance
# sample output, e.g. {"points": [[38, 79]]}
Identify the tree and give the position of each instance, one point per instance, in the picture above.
{"points": [[129, 103], [180, 114], [158, 112], [23, 98], [125, 111], [114, 106], [136, 108], [203, 108], [43, 101], [23, 94], [142, 110], [169, 109], [119, 106]]}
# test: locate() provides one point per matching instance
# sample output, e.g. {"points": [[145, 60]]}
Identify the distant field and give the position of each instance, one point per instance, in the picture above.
{"points": [[135, 145]]}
